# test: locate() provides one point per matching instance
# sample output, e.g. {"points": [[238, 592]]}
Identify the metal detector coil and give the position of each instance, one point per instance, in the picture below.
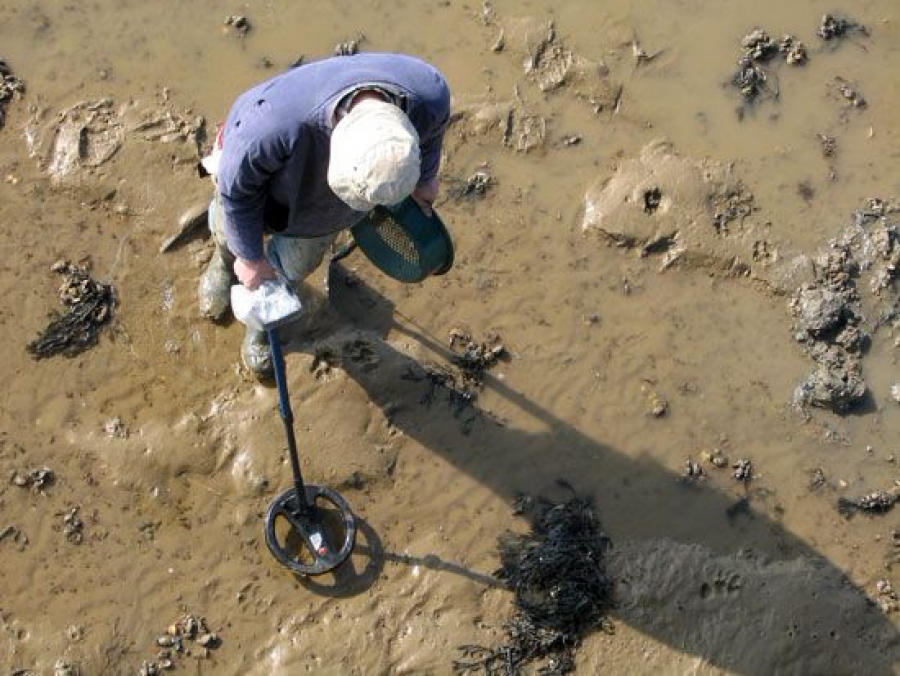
{"points": [[323, 554]]}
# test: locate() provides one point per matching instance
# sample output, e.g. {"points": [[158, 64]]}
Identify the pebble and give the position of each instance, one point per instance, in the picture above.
{"points": [[176, 643], [240, 23], [692, 470], [658, 406], [149, 669], [743, 470], [115, 428], [715, 458], [73, 526], [208, 640], [63, 668], [37, 479], [887, 599]]}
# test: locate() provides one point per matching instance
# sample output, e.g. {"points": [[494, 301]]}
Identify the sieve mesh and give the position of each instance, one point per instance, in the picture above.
{"points": [[396, 237]]}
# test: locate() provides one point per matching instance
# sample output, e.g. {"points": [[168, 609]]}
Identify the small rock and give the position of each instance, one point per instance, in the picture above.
{"points": [[149, 669], [349, 47], [794, 51], [829, 145], [850, 93], [115, 428], [887, 599], [73, 526], [836, 27], [37, 479], [818, 479], [758, 46], [692, 471], [819, 310], [895, 392], [240, 24], [743, 470], [210, 640], [750, 78], [63, 668], [715, 458], [476, 186]]}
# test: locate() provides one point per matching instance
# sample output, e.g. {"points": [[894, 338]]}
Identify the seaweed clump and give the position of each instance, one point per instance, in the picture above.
{"points": [[473, 359], [90, 306], [562, 592], [10, 87]]}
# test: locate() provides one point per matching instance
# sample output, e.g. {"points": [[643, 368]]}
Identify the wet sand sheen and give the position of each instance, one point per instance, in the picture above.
{"points": [[173, 510]]}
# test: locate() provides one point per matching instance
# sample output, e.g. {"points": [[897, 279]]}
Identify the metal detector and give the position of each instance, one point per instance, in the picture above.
{"points": [[323, 549], [321, 528]]}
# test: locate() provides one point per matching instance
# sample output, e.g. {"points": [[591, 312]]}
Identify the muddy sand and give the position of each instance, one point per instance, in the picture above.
{"points": [[690, 262]]}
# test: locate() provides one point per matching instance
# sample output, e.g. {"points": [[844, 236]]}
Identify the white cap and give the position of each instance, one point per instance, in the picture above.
{"points": [[374, 156]]}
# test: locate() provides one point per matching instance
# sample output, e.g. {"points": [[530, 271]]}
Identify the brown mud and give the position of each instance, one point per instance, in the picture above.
{"points": [[637, 244]]}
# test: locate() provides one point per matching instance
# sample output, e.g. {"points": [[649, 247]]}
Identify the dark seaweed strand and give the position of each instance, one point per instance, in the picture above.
{"points": [[561, 591], [78, 329]]}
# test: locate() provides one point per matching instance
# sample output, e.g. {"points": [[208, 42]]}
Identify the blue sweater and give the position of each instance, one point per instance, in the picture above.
{"points": [[276, 143]]}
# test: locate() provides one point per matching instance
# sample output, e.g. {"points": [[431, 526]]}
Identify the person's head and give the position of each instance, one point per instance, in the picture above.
{"points": [[375, 157]]}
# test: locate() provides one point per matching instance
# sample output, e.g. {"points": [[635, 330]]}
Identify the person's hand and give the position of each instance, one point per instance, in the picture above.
{"points": [[253, 273], [426, 194]]}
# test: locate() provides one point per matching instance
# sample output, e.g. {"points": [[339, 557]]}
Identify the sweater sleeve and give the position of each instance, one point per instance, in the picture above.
{"points": [[431, 157], [254, 148], [437, 119]]}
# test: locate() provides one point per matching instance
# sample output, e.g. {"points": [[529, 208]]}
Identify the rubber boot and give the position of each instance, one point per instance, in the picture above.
{"points": [[256, 354], [215, 284]]}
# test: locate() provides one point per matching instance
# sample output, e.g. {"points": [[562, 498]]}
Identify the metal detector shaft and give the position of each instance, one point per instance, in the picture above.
{"points": [[284, 405]]}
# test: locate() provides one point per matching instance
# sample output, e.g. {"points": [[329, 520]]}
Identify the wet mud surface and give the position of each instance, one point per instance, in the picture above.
{"points": [[678, 300]]}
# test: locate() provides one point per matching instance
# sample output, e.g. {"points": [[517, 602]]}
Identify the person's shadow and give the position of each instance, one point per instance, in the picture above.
{"points": [[694, 568]]}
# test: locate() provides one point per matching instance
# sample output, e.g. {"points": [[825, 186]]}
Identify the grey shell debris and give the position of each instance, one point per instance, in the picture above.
{"points": [[876, 502], [856, 272]]}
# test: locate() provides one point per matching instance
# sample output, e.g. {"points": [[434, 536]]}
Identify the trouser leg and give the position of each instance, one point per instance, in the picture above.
{"points": [[214, 291], [298, 257]]}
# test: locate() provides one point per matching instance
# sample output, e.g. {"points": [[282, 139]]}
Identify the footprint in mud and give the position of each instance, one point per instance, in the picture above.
{"points": [[794, 631], [361, 352], [721, 585]]}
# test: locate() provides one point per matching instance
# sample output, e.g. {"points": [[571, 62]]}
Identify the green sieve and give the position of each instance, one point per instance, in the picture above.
{"points": [[404, 243]]}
